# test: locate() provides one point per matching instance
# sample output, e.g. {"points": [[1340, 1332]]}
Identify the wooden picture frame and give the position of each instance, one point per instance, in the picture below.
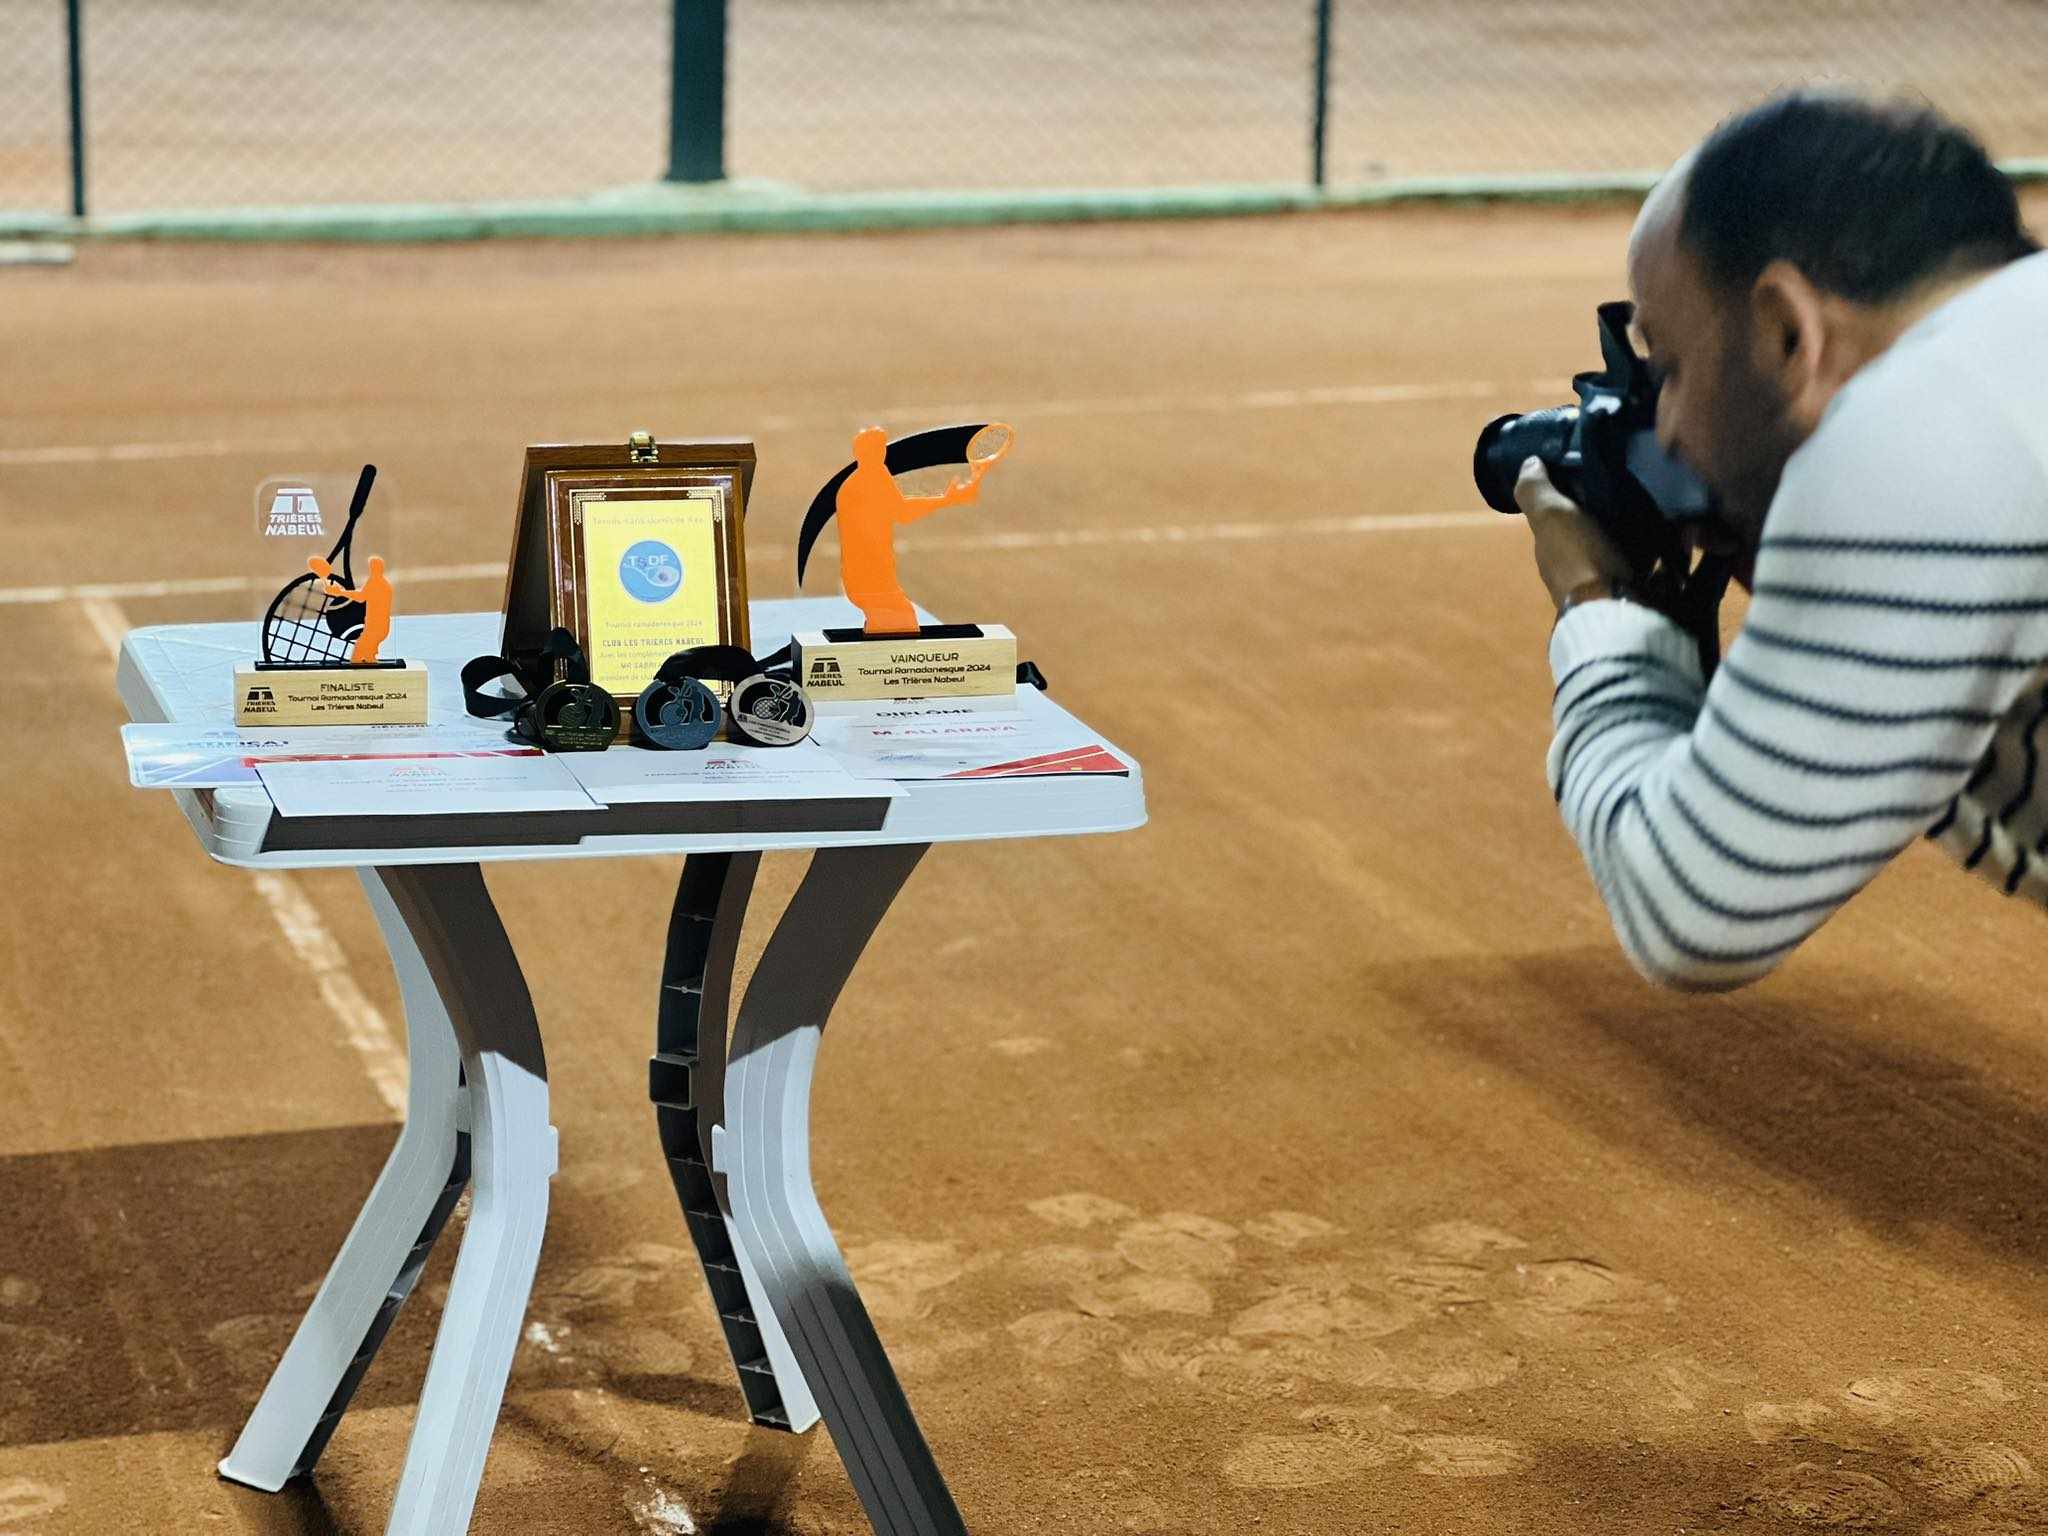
{"points": [[638, 549]]}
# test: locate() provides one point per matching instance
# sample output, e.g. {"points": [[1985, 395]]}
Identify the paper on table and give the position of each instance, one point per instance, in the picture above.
{"points": [[213, 757], [720, 773], [423, 786], [937, 740]]}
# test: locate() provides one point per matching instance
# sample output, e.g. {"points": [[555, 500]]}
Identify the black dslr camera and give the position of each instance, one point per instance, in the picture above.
{"points": [[1603, 453]]}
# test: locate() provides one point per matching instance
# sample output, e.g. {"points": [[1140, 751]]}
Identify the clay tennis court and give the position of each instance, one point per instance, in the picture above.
{"points": [[1310, 1161]]}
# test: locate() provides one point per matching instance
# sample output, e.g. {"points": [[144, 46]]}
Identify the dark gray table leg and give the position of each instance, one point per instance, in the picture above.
{"points": [[686, 1081]]}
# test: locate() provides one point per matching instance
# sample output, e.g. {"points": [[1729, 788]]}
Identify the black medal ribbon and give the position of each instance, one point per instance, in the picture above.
{"points": [[560, 709]]}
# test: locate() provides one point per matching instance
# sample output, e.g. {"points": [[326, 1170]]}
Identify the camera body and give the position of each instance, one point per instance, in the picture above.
{"points": [[1603, 453]]}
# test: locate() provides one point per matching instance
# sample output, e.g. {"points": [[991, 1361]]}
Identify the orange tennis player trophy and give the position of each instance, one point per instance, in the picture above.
{"points": [[321, 637], [892, 655]]}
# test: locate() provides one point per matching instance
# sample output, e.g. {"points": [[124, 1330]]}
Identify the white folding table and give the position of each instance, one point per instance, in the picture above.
{"points": [[733, 1117]]}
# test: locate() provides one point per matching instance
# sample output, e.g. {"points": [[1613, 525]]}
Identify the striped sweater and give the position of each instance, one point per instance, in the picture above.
{"points": [[1890, 680]]}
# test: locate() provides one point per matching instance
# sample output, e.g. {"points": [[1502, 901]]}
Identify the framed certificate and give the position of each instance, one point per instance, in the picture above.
{"points": [[638, 549]]}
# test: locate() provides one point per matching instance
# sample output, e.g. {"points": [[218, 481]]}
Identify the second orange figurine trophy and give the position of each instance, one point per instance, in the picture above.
{"points": [[893, 656]]}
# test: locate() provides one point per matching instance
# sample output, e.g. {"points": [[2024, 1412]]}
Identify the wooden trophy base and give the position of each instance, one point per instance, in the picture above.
{"points": [[940, 661], [388, 693]]}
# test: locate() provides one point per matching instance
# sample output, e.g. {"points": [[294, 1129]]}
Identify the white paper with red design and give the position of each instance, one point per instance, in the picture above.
{"points": [[947, 739]]}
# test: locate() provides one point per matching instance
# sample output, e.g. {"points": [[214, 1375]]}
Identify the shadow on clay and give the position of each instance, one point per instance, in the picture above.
{"points": [[152, 1287], [297, 1509], [761, 1493], [1789, 1076]]}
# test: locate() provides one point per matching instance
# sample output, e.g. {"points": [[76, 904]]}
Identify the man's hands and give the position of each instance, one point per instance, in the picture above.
{"points": [[1571, 551]]}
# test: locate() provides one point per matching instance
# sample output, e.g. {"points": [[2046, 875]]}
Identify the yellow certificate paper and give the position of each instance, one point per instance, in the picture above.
{"points": [[652, 582]]}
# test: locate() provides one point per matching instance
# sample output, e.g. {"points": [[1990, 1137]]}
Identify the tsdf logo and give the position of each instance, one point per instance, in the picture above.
{"points": [[294, 514], [651, 571]]}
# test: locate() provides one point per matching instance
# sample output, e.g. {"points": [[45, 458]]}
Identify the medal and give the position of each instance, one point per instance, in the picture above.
{"points": [[679, 714], [770, 712]]}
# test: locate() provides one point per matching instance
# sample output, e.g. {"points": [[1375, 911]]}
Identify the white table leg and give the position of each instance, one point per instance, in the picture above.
{"points": [[385, 1250], [465, 949], [764, 1150]]}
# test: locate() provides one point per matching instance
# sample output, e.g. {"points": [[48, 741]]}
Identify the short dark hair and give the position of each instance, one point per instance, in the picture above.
{"points": [[1865, 198]]}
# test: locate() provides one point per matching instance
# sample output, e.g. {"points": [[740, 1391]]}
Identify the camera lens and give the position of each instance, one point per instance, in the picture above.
{"points": [[1508, 441]]}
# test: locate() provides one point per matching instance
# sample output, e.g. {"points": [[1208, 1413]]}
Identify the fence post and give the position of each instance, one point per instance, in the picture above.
{"points": [[696, 103], [1320, 132], [75, 30]]}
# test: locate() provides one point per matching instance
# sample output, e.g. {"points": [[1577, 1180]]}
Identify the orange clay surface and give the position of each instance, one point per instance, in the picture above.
{"points": [[1309, 1161]]}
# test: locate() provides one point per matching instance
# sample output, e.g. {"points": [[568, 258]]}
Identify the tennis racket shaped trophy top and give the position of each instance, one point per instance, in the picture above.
{"points": [[892, 655], [323, 633]]}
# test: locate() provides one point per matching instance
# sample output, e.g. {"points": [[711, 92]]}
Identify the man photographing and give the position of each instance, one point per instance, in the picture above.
{"points": [[1849, 326]]}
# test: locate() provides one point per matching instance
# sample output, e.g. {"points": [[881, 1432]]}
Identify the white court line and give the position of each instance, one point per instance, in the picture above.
{"points": [[362, 1024], [1248, 400], [1025, 538], [127, 453], [1029, 410], [108, 622], [1216, 533], [201, 585], [113, 591]]}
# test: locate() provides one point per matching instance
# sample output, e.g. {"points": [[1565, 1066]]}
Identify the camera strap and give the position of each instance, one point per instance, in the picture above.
{"points": [[1697, 608]]}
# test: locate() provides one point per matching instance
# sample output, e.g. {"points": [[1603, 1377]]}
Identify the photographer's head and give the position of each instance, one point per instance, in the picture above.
{"points": [[1790, 248]]}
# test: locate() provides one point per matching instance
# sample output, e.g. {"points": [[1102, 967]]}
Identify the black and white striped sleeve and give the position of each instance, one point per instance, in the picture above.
{"points": [[1900, 606]]}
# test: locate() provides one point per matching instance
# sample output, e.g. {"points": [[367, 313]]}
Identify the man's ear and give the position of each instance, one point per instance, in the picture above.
{"points": [[1790, 338]]}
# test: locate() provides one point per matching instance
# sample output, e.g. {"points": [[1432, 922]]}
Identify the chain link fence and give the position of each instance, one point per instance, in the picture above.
{"points": [[35, 165], [254, 103], [193, 104], [839, 96], [1428, 88]]}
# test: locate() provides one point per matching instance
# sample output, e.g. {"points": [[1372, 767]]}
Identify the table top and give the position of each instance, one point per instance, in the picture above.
{"points": [[183, 673]]}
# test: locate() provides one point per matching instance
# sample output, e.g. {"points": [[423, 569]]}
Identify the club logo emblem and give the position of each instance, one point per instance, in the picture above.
{"points": [[294, 514], [651, 572]]}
